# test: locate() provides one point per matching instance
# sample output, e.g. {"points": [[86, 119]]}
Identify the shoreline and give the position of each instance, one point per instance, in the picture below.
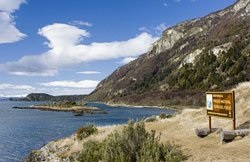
{"points": [[73, 109], [177, 108], [178, 129]]}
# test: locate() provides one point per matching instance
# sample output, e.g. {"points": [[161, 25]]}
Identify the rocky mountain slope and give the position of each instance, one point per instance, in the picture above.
{"points": [[208, 53]]}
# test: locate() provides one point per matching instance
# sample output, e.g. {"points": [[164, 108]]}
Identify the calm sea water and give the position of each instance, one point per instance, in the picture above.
{"points": [[24, 130]]}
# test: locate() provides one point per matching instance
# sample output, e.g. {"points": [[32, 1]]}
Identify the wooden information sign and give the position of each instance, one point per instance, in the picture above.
{"points": [[221, 104]]}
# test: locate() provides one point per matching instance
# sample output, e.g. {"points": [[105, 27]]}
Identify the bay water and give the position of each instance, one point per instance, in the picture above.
{"points": [[22, 131]]}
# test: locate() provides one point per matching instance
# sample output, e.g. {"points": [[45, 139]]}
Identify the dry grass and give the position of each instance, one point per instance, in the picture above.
{"points": [[180, 130], [242, 95]]}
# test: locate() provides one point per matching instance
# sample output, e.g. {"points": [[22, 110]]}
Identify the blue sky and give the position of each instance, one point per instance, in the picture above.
{"points": [[68, 46]]}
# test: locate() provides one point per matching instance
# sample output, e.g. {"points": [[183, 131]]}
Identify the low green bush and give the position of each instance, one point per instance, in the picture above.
{"points": [[164, 116], [150, 119], [84, 132], [92, 152], [132, 144]]}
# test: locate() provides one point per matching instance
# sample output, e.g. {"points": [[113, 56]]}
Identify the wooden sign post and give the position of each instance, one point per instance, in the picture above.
{"points": [[221, 104]]}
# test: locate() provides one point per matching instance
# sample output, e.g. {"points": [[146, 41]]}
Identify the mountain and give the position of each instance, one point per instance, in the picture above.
{"points": [[39, 97], [3, 99], [47, 97], [190, 58]]}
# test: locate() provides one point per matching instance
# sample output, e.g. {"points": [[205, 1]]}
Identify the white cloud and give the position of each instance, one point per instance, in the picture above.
{"points": [[67, 50], [5, 86], [81, 23], [86, 84], [9, 33], [155, 30], [144, 29], [12, 95], [53, 88], [62, 36], [63, 90], [15, 90], [127, 60], [33, 73], [88, 72], [160, 28], [165, 4], [10, 5]]}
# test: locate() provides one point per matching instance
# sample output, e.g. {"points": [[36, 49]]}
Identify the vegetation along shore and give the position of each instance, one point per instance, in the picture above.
{"points": [[69, 106], [176, 134]]}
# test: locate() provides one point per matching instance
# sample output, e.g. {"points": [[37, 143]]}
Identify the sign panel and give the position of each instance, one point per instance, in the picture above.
{"points": [[209, 101], [220, 104]]}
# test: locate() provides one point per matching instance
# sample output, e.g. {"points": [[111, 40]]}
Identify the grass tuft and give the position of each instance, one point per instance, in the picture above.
{"points": [[84, 132]]}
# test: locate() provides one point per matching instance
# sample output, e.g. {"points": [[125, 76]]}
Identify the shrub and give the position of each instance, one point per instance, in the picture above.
{"points": [[91, 153], [86, 131], [132, 144], [162, 116], [153, 151], [125, 145], [150, 119], [70, 103]]}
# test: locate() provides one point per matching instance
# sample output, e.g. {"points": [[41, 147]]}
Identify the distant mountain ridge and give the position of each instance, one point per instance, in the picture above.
{"points": [[203, 54], [47, 97], [3, 98]]}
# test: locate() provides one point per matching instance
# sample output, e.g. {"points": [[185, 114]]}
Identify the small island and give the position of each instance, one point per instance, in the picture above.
{"points": [[68, 106]]}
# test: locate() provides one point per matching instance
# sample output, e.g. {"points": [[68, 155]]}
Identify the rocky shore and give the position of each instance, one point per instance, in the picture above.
{"points": [[77, 110], [66, 149]]}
